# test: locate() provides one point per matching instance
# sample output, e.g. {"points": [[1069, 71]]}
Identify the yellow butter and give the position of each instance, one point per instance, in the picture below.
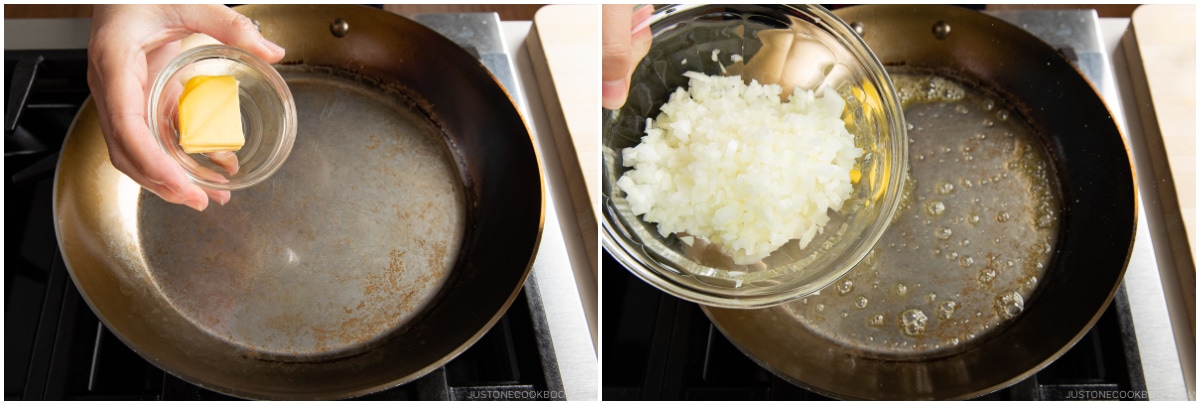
{"points": [[210, 119]]}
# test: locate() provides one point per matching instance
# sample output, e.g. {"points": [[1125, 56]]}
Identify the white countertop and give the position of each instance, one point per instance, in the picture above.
{"points": [[1152, 317], [569, 327]]}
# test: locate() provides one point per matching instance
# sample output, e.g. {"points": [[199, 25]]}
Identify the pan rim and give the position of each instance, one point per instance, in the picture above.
{"points": [[535, 231], [1123, 203]]}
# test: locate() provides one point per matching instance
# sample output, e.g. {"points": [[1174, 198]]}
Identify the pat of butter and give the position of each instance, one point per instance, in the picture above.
{"points": [[210, 118]]}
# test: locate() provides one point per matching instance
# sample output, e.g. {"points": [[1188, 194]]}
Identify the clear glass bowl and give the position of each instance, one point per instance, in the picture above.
{"points": [[268, 115], [805, 46]]}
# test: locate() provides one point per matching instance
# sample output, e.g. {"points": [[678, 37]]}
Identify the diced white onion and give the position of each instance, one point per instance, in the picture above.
{"points": [[731, 164]]}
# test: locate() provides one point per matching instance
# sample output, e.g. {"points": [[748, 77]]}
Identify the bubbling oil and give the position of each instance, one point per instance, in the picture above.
{"points": [[973, 235]]}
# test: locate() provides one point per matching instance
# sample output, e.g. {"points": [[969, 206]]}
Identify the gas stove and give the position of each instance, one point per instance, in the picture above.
{"points": [[668, 349], [56, 348]]}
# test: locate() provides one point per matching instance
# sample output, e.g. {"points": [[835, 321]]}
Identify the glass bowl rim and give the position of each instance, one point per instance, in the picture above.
{"points": [[279, 152]]}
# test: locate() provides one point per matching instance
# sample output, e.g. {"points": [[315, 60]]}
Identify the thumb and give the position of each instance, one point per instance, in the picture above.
{"points": [[231, 28]]}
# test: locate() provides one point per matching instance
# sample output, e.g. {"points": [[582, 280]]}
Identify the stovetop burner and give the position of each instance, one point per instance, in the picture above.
{"points": [[74, 356], [660, 347]]}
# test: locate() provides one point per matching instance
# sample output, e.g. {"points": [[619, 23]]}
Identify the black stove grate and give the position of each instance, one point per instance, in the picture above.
{"points": [[56, 347], [659, 347]]}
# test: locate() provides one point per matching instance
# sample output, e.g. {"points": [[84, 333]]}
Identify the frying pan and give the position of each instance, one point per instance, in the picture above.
{"points": [[398, 232], [1096, 222]]}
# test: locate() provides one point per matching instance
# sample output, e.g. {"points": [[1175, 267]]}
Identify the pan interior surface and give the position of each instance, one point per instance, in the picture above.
{"points": [[341, 248], [974, 234]]}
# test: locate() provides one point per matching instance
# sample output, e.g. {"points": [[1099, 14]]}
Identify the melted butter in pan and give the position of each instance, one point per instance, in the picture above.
{"points": [[974, 234]]}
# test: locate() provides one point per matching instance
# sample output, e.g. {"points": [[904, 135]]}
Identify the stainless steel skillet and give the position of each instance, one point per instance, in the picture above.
{"points": [[1086, 262], [399, 231]]}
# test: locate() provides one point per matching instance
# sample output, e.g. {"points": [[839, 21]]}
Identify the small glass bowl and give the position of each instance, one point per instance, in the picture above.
{"points": [[808, 47], [267, 108]]}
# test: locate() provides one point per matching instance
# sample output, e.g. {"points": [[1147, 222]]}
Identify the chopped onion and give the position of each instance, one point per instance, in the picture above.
{"points": [[733, 165]]}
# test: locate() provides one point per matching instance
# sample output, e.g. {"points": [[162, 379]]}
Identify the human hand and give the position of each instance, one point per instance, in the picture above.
{"points": [[626, 39], [129, 46]]}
